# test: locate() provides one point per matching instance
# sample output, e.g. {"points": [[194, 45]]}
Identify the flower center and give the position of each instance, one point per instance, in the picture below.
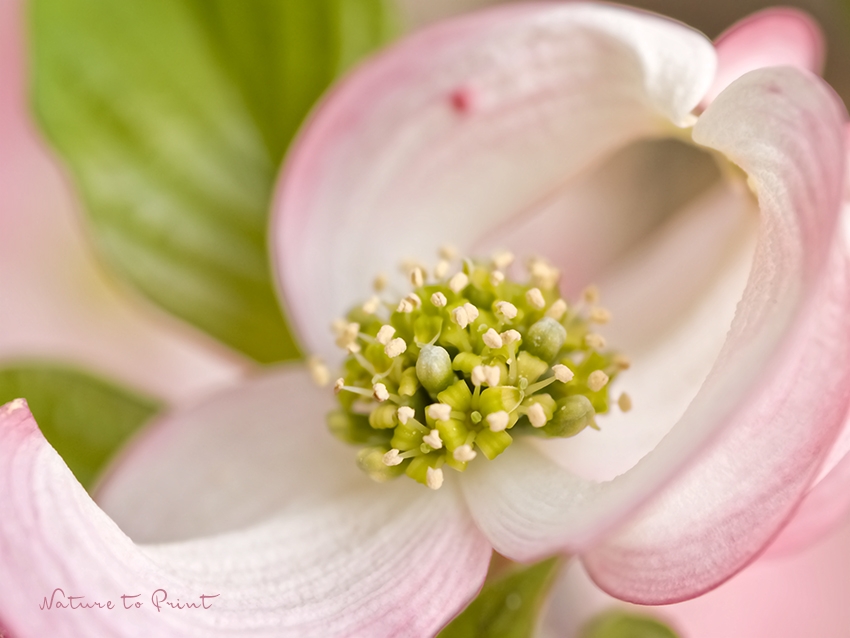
{"points": [[466, 362]]}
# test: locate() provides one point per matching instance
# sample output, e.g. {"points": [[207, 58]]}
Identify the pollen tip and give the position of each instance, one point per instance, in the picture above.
{"points": [[562, 373], [319, 372], [395, 347], [537, 415], [498, 421], [417, 277], [404, 414], [492, 339], [434, 478], [433, 439], [458, 282], [596, 380], [439, 300], [385, 334], [557, 310], [392, 458], [464, 453], [506, 309], [380, 392], [440, 411]]}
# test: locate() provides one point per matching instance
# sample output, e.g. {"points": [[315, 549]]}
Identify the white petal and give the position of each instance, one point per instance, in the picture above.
{"points": [[785, 362], [776, 391], [229, 461], [462, 127], [381, 561]]}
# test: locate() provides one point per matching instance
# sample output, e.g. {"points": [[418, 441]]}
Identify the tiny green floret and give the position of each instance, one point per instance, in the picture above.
{"points": [[464, 363]]}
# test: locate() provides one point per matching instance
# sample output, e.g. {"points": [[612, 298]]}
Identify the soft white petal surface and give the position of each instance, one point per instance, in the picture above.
{"points": [[228, 461], [785, 361], [463, 127], [378, 561]]}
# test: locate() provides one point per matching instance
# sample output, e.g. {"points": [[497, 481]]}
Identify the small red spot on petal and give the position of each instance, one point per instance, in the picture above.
{"points": [[461, 100]]}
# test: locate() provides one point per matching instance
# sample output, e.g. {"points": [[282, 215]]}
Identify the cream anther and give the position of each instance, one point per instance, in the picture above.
{"points": [[434, 478], [464, 453], [596, 380], [599, 315], [414, 299], [492, 339], [622, 362], [406, 306], [338, 326], [506, 309], [458, 282], [503, 259], [417, 278], [353, 347], [380, 392], [471, 311], [492, 375], [535, 298], [497, 277], [372, 305], [347, 335], [385, 334], [318, 371], [441, 269], [439, 300], [380, 282], [510, 336], [562, 373], [392, 458], [460, 317], [624, 402], [542, 274], [395, 347], [537, 416], [433, 439], [477, 376], [498, 421], [590, 294], [408, 264], [448, 252], [339, 384], [440, 411], [557, 310], [595, 341], [404, 414]]}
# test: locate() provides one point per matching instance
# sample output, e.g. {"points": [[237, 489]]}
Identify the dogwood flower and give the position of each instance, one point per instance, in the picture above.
{"points": [[533, 129]]}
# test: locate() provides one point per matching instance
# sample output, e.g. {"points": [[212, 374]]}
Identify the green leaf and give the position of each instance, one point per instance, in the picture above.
{"points": [[85, 418], [173, 117], [508, 605], [619, 624]]}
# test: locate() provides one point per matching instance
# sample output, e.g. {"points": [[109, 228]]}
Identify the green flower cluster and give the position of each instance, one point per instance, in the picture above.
{"points": [[466, 363]]}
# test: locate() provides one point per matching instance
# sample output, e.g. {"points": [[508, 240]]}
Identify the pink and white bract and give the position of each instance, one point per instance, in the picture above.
{"points": [[530, 128]]}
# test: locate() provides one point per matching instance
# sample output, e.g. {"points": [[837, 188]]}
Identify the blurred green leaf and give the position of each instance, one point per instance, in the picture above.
{"points": [[173, 117], [619, 624], [85, 418], [508, 605]]}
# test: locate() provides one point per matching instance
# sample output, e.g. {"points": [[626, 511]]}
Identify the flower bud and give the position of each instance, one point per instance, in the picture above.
{"points": [[573, 414], [545, 339], [434, 369]]}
